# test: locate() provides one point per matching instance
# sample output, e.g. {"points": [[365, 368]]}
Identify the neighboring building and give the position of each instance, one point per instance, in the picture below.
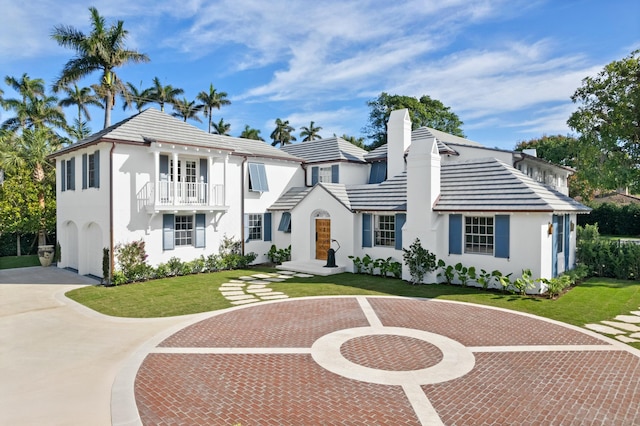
{"points": [[181, 190]]}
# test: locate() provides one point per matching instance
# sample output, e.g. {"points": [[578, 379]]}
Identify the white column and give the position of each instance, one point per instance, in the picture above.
{"points": [[210, 186], [175, 178], [156, 182]]}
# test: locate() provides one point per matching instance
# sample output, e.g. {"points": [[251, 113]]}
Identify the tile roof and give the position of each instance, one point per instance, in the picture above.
{"points": [[471, 186], [152, 125], [380, 153], [326, 150]]}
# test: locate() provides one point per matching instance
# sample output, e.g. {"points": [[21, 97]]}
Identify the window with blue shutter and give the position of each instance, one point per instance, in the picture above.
{"points": [[366, 230], [71, 174], [401, 218], [96, 169], [85, 169], [378, 172], [168, 225], [203, 170], [164, 168], [335, 173], [267, 226], [258, 178], [502, 236], [455, 234], [201, 227], [567, 240], [285, 222], [63, 175], [315, 171]]}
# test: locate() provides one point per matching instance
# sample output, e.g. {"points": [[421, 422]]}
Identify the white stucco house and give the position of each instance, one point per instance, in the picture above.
{"points": [[181, 190]]}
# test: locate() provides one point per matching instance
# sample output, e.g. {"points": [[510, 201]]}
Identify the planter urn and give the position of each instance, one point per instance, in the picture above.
{"points": [[46, 254]]}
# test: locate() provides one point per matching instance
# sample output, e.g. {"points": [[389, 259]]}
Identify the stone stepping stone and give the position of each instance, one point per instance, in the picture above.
{"points": [[274, 297], [259, 282], [604, 329], [231, 293], [628, 318], [287, 273], [622, 325], [259, 290], [254, 286], [275, 280], [262, 276], [240, 284], [237, 281], [635, 335], [244, 302], [636, 313], [284, 277], [626, 339], [241, 297], [303, 275], [246, 278]]}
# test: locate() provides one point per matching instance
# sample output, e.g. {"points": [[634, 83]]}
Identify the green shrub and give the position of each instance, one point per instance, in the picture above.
{"points": [[524, 283], [447, 272], [278, 256], [419, 260], [132, 259]]}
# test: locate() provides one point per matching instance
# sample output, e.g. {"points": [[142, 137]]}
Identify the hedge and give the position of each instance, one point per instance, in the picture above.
{"points": [[613, 219]]}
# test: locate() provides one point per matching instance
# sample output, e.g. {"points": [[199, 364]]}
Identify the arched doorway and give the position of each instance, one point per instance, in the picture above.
{"points": [[322, 228], [92, 250], [69, 247]]}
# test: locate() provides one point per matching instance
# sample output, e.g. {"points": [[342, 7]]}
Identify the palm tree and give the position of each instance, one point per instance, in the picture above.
{"points": [[282, 133], [136, 97], [36, 111], [30, 150], [212, 100], [163, 94], [251, 133], [101, 50], [359, 142], [310, 133], [185, 110], [221, 128], [27, 88], [82, 98]]}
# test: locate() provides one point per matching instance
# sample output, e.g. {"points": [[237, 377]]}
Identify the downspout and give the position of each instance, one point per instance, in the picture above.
{"points": [[111, 245], [242, 236]]}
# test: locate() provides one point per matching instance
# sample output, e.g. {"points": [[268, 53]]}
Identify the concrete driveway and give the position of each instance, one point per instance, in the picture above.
{"points": [[58, 359]]}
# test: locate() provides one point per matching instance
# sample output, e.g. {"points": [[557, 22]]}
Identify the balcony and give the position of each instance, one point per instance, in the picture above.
{"points": [[188, 196]]}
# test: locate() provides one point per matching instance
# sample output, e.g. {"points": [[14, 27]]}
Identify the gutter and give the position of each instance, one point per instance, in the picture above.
{"points": [[242, 236], [111, 245]]}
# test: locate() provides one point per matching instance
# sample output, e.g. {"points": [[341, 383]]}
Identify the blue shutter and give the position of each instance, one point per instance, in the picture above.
{"points": [[164, 168], [168, 226], [267, 226], [401, 218], [85, 168], [63, 176], [378, 172], [314, 175], [203, 170], [258, 178], [96, 168], [567, 240], [335, 173], [72, 178], [201, 227], [246, 228], [455, 234], [366, 230], [502, 236], [285, 222], [554, 247]]}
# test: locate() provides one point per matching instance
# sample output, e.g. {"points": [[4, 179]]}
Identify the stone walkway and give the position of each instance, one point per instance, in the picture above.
{"points": [[254, 288], [625, 328]]}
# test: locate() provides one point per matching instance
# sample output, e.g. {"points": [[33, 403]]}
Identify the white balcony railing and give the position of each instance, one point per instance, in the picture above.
{"points": [[182, 194]]}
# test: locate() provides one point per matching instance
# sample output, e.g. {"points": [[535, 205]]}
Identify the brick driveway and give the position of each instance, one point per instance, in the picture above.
{"points": [[381, 360]]}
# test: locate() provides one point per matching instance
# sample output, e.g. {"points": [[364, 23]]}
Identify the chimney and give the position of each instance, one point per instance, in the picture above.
{"points": [[398, 140]]}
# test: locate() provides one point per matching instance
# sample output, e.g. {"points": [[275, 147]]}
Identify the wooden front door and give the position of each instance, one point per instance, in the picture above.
{"points": [[323, 238]]}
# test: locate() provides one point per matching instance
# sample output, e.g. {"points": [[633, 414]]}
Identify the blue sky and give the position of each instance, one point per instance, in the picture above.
{"points": [[507, 67]]}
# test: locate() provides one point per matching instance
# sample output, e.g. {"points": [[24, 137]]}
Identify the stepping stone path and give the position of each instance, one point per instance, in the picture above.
{"points": [[254, 288], [625, 328]]}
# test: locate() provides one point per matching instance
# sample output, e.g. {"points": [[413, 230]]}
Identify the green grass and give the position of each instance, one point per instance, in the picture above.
{"points": [[10, 262], [592, 301]]}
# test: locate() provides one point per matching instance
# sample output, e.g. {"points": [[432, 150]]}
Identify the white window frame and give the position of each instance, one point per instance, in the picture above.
{"points": [[561, 231], [255, 226], [325, 174], [184, 228], [91, 171], [479, 234], [384, 230]]}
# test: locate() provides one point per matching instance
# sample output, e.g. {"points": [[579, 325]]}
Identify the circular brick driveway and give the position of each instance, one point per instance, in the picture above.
{"points": [[378, 360]]}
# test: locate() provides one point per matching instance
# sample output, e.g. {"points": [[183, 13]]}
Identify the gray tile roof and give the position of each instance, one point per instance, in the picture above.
{"points": [[152, 125], [380, 153], [487, 185], [326, 150]]}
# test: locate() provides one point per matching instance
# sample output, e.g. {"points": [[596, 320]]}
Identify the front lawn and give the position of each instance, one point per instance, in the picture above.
{"points": [[592, 301], [10, 262]]}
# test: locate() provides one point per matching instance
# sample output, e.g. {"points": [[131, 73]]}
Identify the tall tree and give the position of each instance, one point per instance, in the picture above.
{"points": [[26, 86], [81, 98], [186, 109], [211, 100], [423, 112], [136, 98], [101, 50], [359, 142], [310, 133], [221, 128], [36, 111], [251, 133], [282, 134], [608, 120], [164, 94]]}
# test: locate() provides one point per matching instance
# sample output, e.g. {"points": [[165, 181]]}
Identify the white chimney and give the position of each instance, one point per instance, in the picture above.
{"points": [[398, 140]]}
